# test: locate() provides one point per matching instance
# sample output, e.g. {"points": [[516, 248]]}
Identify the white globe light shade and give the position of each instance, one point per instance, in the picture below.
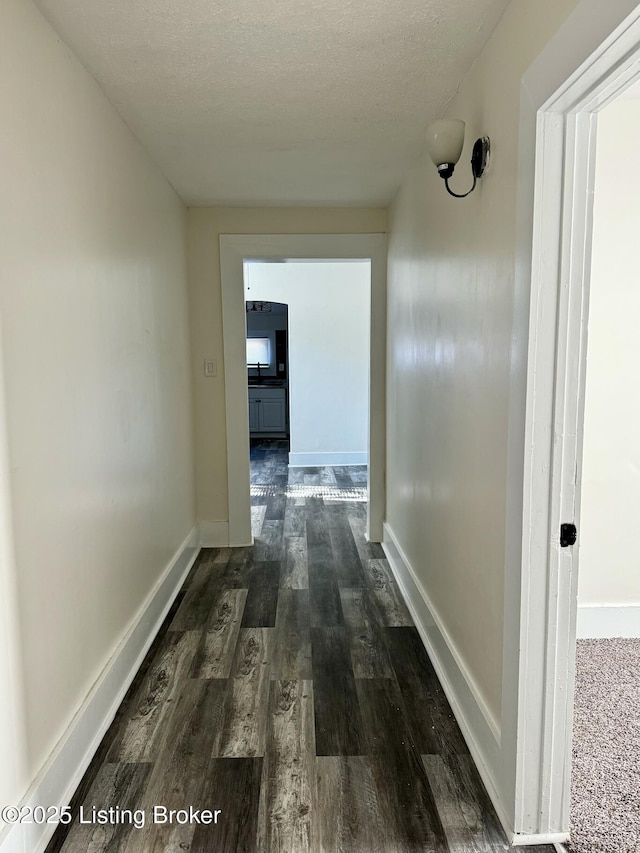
{"points": [[445, 139]]}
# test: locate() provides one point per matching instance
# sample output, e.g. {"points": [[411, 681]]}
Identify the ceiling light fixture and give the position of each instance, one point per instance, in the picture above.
{"points": [[445, 139]]}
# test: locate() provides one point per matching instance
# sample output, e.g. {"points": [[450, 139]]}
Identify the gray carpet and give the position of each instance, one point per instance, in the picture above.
{"points": [[605, 788]]}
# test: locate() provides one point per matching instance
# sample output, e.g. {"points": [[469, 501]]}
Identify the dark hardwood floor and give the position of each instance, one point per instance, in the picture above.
{"points": [[288, 689]]}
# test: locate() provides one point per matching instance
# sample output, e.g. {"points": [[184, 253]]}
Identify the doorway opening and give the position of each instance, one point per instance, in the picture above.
{"points": [[308, 326], [562, 282], [268, 368], [606, 757], [239, 251]]}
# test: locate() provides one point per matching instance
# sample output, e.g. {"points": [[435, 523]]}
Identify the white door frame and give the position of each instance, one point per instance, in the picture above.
{"points": [[234, 250], [565, 132]]}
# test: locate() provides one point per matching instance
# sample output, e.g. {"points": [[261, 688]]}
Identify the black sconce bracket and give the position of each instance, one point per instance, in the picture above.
{"points": [[479, 164]]}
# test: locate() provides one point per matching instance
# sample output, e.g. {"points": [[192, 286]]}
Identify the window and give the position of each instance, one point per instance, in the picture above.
{"points": [[258, 350]]}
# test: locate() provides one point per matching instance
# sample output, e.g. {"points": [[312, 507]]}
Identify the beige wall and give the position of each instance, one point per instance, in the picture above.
{"points": [[205, 227], [609, 569], [451, 307], [97, 388]]}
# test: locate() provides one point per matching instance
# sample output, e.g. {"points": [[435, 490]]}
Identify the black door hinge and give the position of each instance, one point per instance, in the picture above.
{"points": [[568, 535]]}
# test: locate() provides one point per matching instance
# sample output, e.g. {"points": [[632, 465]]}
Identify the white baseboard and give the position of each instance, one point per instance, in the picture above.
{"points": [[57, 781], [214, 534], [313, 460], [600, 621], [479, 727], [551, 838]]}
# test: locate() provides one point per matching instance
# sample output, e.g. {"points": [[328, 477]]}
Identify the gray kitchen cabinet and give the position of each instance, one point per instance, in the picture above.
{"points": [[254, 408], [267, 410]]}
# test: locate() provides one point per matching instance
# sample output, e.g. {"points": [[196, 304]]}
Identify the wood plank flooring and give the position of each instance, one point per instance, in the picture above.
{"points": [[289, 689]]}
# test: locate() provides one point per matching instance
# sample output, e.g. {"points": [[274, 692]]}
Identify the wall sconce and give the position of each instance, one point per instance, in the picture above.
{"points": [[445, 139]]}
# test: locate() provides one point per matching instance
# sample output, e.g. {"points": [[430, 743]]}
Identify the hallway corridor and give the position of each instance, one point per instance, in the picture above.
{"points": [[289, 689]]}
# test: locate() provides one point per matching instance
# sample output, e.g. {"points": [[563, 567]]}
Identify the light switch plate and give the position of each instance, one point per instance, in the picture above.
{"points": [[210, 367]]}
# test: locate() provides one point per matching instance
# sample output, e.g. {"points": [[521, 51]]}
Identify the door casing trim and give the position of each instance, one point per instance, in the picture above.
{"points": [[234, 250]]}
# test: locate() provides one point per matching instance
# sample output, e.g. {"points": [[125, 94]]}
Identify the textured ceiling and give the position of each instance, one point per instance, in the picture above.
{"points": [[269, 102]]}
